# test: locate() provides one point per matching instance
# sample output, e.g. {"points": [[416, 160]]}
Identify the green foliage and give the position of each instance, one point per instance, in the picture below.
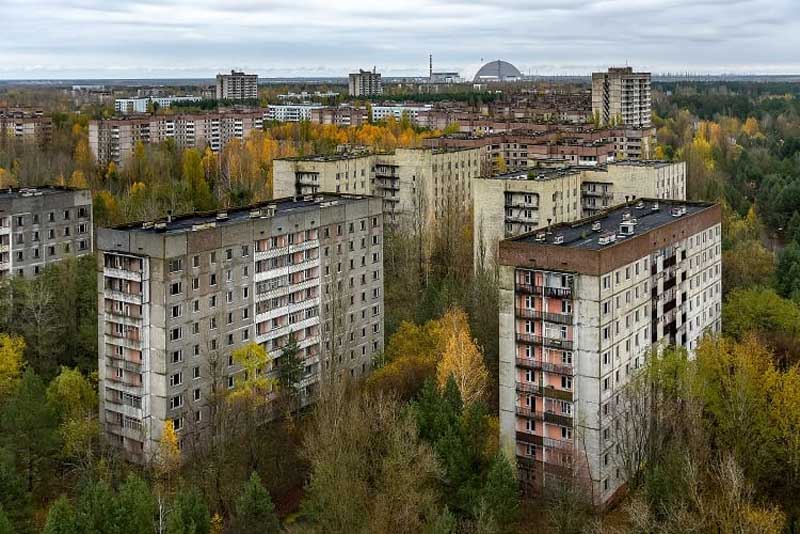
{"points": [[189, 514], [760, 310], [137, 506], [28, 428], [500, 495], [788, 275], [255, 512], [61, 518], [98, 509], [14, 498], [5, 523]]}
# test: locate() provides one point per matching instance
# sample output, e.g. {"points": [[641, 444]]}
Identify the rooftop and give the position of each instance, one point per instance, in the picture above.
{"points": [[22, 192], [539, 174], [614, 225], [199, 221]]}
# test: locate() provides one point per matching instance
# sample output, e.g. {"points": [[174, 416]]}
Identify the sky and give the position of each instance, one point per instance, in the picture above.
{"points": [[61, 39]]}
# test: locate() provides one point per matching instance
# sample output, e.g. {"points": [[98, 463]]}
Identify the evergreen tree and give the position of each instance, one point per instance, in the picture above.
{"points": [[137, 506], [290, 372], [5, 523], [500, 495], [255, 513], [189, 514], [28, 427], [98, 510], [61, 518], [13, 497]]}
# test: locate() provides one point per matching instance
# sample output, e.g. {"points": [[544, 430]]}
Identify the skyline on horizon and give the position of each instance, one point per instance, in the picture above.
{"points": [[137, 39]]}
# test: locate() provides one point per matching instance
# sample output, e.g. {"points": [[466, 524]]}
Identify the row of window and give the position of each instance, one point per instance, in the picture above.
{"points": [[21, 220]]}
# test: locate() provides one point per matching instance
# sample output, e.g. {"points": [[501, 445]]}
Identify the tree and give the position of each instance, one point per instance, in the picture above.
{"points": [[290, 372], [189, 514], [500, 494], [5, 523], [61, 518], [194, 176], [98, 509], [462, 360], [137, 506], [28, 427], [254, 510], [747, 264], [788, 272], [12, 349]]}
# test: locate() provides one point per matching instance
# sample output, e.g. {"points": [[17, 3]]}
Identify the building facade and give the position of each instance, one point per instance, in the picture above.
{"points": [[365, 83], [25, 126], [418, 184], [582, 308], [178, 296], [510, 204], [621, 97], [145, 104], [290, 112], [42, 225], [237, 86], [115, 139]]}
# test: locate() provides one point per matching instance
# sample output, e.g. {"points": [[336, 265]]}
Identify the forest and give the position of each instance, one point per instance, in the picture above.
{"points": [[414, 448]]}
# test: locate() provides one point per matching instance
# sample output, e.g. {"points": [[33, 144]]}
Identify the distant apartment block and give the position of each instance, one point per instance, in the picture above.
{"points": [[237, 86], [621, 97], [42, 225], [421, 184], [365, 83], [510, 204], [25, 126], [290, 112], [115, 139], [149, 103], [176, 297], [582, 307], [340, 116]]}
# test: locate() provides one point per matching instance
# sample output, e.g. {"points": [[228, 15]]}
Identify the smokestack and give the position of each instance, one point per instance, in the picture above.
{"points": [[430, 66]]}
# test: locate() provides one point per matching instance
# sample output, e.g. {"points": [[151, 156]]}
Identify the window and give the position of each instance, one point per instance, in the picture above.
{"points": [[176, 265], [212, 279], [196, 372], [176, 402], [566, 382], [175, 334], [177, 356], [229, 254], [245, 251], [195, 261], [177, 311], [176, 379], [175, 288], [196, 396]]}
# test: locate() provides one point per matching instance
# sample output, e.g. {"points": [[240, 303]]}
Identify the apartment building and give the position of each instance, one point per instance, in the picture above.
{"points": [[146, 104], [237, 86], [422, 184], [509, 204], [25, 126], [176, 297], [290, 112], [583, 306], [115, 139], [621, 97], [340, 115], [365, 83], [42, 225]]}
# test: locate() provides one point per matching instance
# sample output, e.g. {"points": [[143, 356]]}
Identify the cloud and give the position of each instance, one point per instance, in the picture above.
{"points": [[197, 38]]}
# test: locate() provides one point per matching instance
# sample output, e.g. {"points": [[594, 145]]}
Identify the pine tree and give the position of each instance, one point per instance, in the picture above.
{"points": [[137, 506], [5, 523], [500, 494], [97, 509], [61, 518], [255, 513], [189, 514]]}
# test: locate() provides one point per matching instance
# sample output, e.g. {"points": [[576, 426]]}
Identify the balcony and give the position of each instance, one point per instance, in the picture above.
{"points": [[549, 391], [559, 318], [547, 367], [547, 291], [556, 343]]}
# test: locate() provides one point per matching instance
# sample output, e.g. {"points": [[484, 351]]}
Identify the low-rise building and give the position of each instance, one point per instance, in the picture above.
{"points": [[42, 225], [115, 139], [290, 112], [176, 297], [583, 306], [149, 103]]}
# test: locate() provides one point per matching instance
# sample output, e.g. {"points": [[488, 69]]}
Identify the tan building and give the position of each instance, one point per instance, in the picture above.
{"points": [[176, 297], [365, 83], [621, 97], [25, 126], [115, 139], [418, 183], [581, 309], [510, 204], [237, 86]]}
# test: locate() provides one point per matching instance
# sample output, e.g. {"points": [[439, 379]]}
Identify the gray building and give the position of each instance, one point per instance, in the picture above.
{"points": [[237, 86], [621, 97], [176, 297], [42, 225], [365, 83]]}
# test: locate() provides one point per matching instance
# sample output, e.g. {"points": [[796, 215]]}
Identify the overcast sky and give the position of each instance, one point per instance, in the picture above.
{"points": [[198, 38]]}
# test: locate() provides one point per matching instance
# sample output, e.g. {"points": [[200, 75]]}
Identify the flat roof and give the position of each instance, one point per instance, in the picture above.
{"points": [[648, 214], [24, 192], [282, 206], [537, 174]]}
